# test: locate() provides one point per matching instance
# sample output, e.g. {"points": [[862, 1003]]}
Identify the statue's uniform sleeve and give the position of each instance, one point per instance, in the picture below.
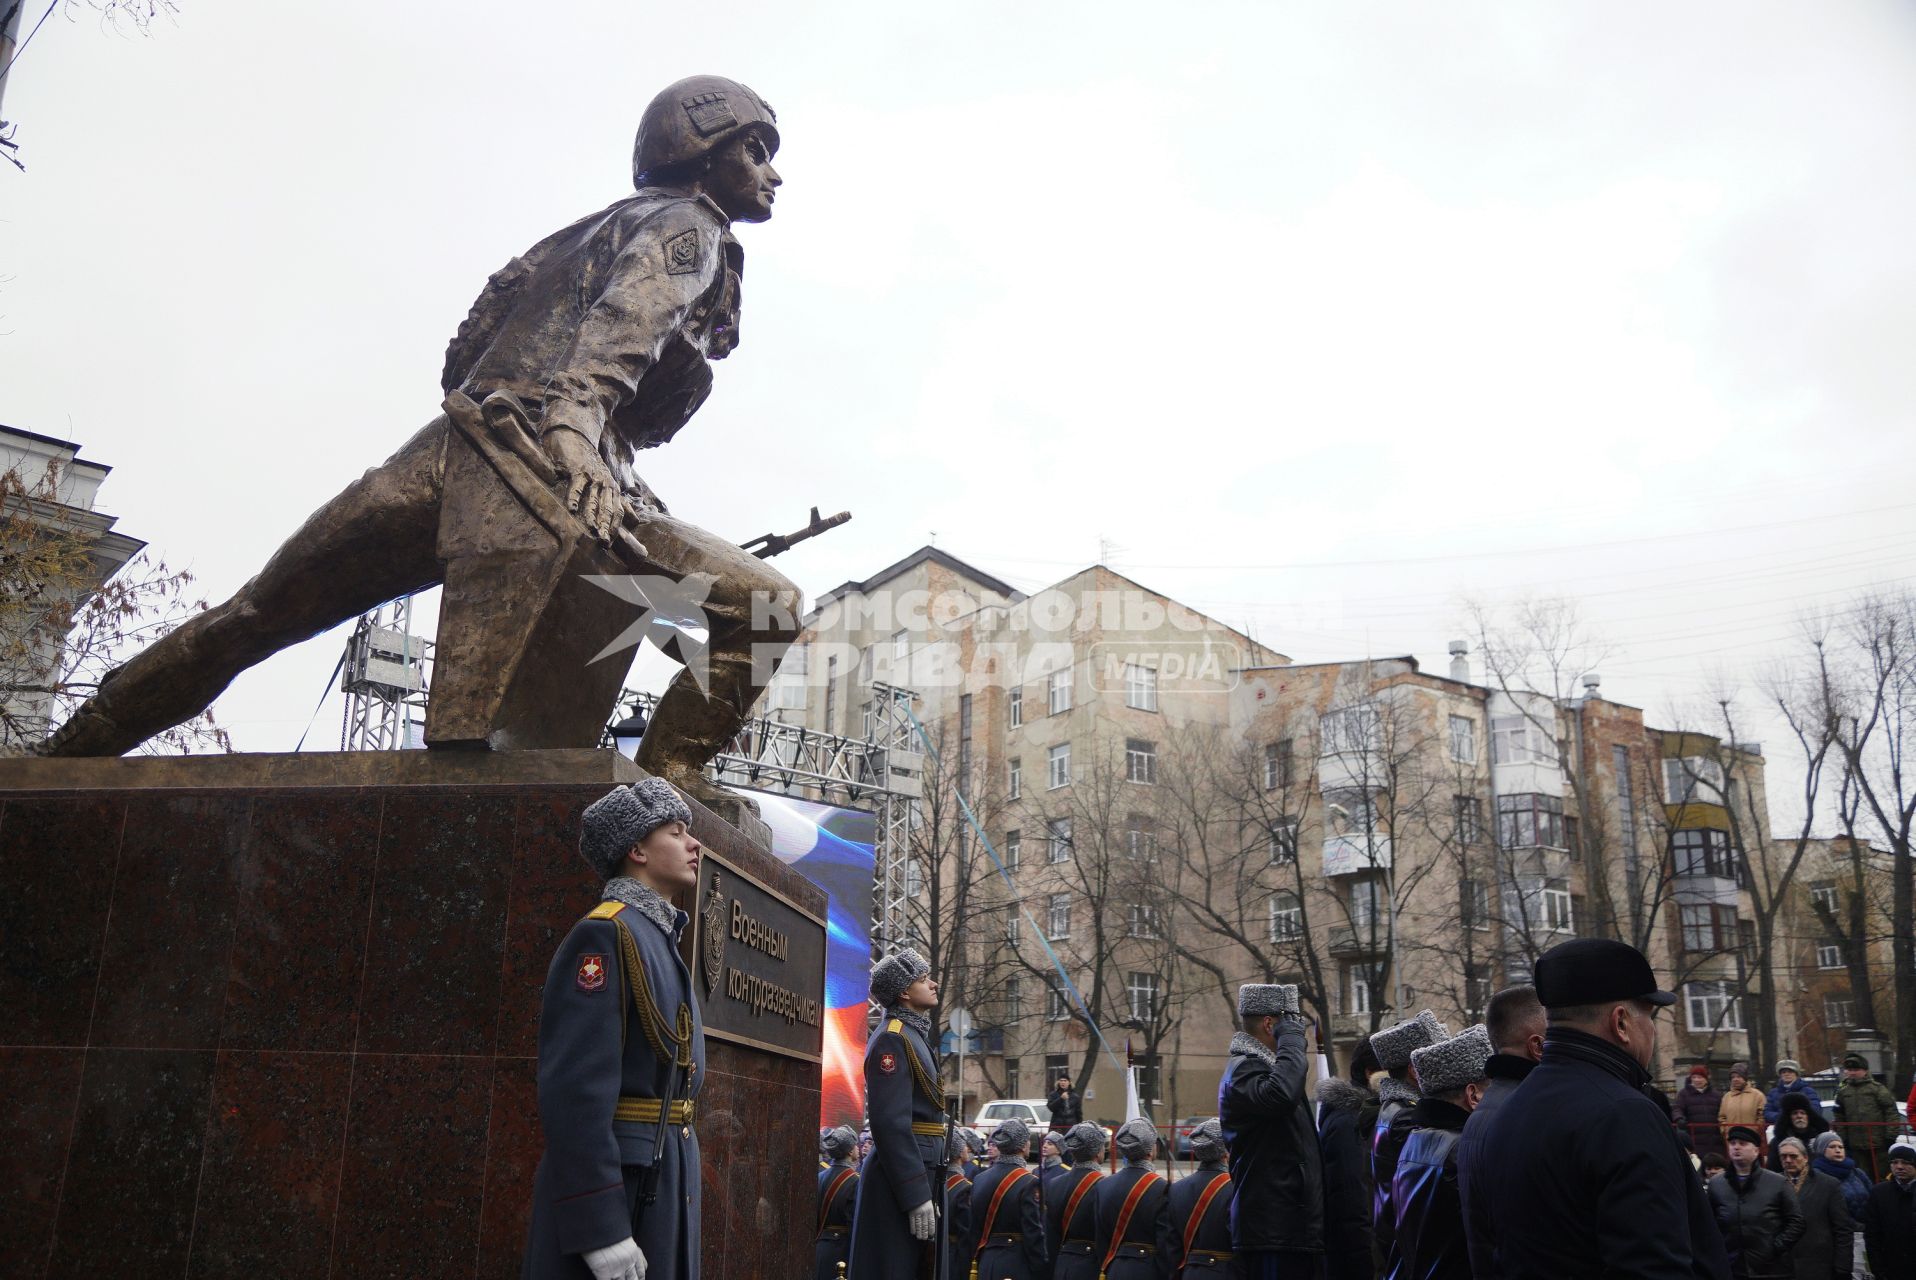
{"points": [[580, 1055], [653, 285]]}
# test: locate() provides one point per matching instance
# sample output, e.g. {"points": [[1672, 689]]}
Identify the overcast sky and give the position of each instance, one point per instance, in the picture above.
{"points": [[1323, 318]]}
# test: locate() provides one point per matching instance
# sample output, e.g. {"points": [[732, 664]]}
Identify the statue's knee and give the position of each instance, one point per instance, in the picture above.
{"points": [[773, 605]]}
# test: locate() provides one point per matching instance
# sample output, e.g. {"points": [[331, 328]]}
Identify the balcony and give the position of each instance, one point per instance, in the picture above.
{"points": [[1350, 1026], [1360, 941], [1356, 853]]}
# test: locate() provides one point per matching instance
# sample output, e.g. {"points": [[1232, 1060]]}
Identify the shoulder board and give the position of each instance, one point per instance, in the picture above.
{"points": [[895, 1026], [606, 910]]}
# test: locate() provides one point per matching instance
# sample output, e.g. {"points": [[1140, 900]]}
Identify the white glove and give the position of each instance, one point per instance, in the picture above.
{"points": [[923, 1222], [621, 1261]]}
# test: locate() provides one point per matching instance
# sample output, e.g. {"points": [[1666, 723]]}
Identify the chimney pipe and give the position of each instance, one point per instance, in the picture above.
{"points": [[1460, 661], [1592, 685]]}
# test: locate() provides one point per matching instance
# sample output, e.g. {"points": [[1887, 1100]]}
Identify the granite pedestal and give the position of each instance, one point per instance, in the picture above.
{"points": [[278, 1016]]}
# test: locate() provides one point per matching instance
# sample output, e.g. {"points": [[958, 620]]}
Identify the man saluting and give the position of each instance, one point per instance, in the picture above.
{"points": [[896, 1217]]}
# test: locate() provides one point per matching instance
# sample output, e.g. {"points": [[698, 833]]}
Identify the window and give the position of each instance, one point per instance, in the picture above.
{"points": [[1359, 992], [1055, 1065], [1057, 761], [1571, 839], [1016, 706], [1463, 740], [1708, 928], [1012, 916], [1530, 821], [1287, 918], [1367, 904], [1140, 687], [1713, 1006], [1473, 898], [1140, 840], [1014, 1001], [1278, 758], [1557, 915], [1823, 896], [1702, 852], [1283, 841], [1150, 1077], [1517, 740], [1349, 729], [1058, 692], [914, 878], [1058, 915], [1470, 819], [1477, 991], [1140, 761], [1056, 1007], [1014, 850], [1145, 922], [1829, 955], [1011, 1077], [1141, 994], [1057, 840], [1270, 766], [964, 740], [1839, 1011], [1692, 778], [831, 694], [1015, 779]]}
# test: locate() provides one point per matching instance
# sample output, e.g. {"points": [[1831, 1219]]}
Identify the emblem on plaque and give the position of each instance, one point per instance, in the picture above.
{"points": [[712, 946]]}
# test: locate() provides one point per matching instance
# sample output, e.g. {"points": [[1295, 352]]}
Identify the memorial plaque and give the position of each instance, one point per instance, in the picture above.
{"points": [[758, 959]]}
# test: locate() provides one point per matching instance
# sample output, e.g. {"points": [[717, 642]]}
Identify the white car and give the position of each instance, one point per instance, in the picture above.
{"points": [[1033, 1111]]}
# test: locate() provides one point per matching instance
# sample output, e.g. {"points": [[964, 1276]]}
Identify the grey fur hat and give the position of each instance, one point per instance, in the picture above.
{"points": [[1394, 1045], [839, 1143], [1451, 1064], [894, 973], [1011, 1135], [1137, 1139], [974, 1142], [957, 1145], [1255, 999], [1084, 1141], [622, 817], [1207, 1141]]}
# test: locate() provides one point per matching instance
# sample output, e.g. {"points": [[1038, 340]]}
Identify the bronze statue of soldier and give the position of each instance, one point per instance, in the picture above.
{"points": [[593, 345]]}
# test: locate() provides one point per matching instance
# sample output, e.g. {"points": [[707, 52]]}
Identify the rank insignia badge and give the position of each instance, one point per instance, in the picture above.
{"points": [[682, 253], [591, 974], [888, 1062]]}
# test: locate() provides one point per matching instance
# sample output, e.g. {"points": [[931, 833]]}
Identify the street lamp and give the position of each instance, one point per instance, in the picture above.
{"points": [[627, 733]]}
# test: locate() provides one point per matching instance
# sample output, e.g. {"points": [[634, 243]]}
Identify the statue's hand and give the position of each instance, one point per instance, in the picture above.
{"points": [[640, 497], [589, 488]]}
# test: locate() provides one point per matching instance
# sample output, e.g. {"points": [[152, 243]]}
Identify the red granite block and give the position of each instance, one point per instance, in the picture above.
{"points": [[299, 947], [56, 860], [269, 1185], [41, 1087], [414, 1169], [126, 1207], [552, 887], [438, 923], [513, 1146], [163, 971]]}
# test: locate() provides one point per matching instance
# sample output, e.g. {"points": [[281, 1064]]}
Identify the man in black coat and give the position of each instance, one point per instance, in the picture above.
{"points": [[1428, 1243], [1757, 1212], [1516, 1022], [1889, 1217], [1826, 1250], [1347, 1197], [1580, 1174], [1066, 1107], [1277, 1218], [1396, 1095]]}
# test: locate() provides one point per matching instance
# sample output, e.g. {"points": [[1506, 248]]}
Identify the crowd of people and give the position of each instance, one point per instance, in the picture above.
{"points": [[1530, 1145]]}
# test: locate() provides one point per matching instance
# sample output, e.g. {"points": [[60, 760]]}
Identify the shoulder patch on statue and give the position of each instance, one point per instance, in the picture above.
{"points": [[895, 1025], [606, 910], [682, 253], [888, 1063], [591, 975]]}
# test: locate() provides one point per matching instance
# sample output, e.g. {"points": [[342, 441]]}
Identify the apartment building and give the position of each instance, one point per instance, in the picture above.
{"points": [[1834, 939]]}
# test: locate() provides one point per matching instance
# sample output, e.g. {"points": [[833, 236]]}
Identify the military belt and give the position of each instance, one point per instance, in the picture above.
{"points": [[928, 1128], [1214, 1255], [646, 1111], [1005, 1237]]}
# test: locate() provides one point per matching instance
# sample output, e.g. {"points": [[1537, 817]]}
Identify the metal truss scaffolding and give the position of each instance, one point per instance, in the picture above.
{"points": [[383, 676]]}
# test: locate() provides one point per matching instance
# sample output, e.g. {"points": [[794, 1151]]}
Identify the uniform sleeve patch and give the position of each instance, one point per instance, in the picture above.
{"points": [[682, 253], [591, 975], [888, 1063]]}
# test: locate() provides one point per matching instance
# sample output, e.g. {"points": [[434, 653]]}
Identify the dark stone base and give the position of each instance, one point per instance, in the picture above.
{"points": [[278, 1015]]}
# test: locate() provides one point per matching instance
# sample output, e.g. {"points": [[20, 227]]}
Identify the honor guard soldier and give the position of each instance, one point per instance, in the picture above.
{"points": [[1133, 1210], [1201, 1210], [621, 1059], [1006, 1241], [837, 1195], [957, 1209], [975, 1158], [823, 1134], [1428, 1242], [1277, 1216], [1396, 1095], [896, 1225], [1050, 1162], [1070, 1218]]}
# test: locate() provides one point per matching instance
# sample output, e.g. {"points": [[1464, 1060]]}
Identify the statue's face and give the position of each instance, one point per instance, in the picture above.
{"points": [[741, 180]]}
